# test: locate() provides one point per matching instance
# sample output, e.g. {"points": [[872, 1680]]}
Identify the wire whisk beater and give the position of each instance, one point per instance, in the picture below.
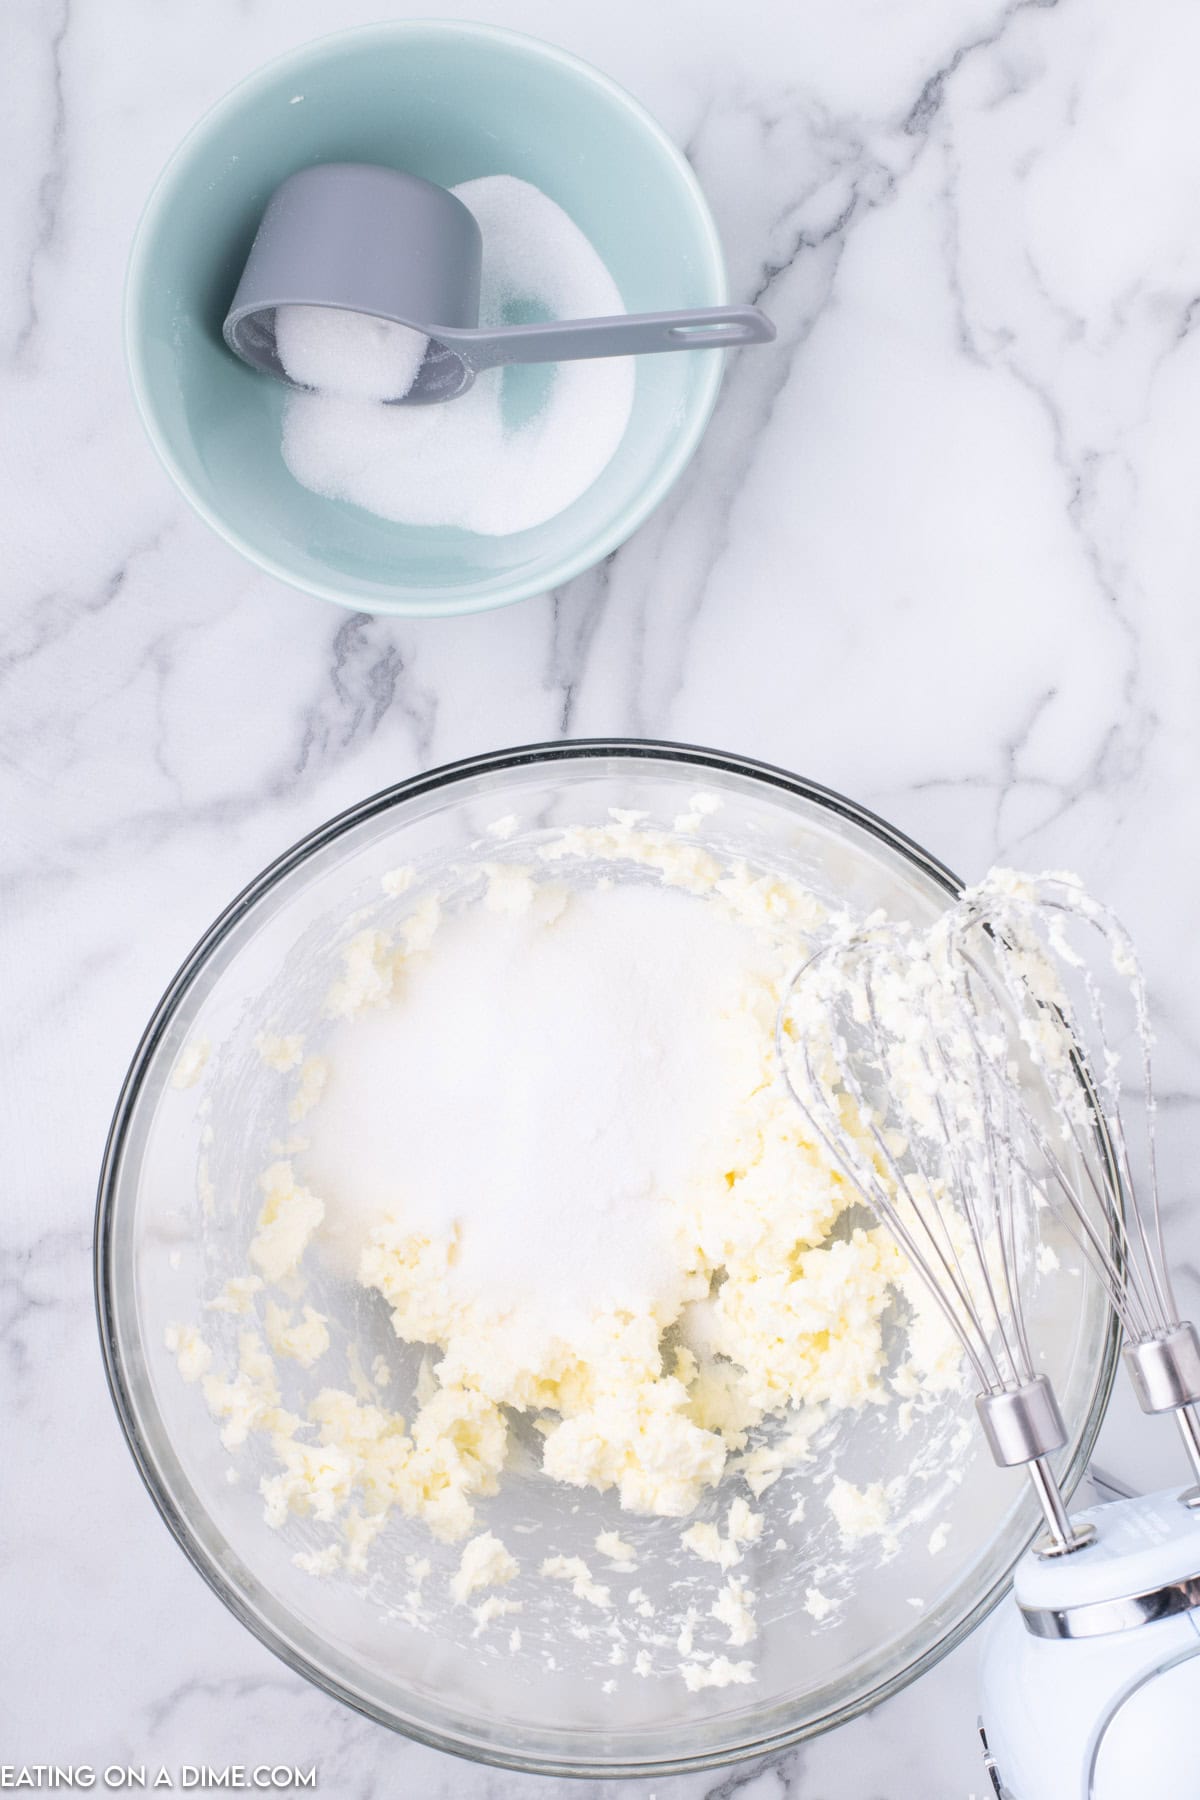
{"points": [[883, 1052], [1065, 970]]}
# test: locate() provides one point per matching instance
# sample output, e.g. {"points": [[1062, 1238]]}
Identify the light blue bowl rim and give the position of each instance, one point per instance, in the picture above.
{"points": [[430, 602]]}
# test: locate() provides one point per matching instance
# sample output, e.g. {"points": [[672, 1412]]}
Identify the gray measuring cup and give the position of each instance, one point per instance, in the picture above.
{"points": [[374, 240]]}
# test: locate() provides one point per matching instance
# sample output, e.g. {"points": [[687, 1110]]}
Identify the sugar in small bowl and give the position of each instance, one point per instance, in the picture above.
{"points": [[522, 445], [536, 473]]}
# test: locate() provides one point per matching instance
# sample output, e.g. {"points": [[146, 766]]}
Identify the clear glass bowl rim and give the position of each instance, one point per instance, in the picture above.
{"points": [[387, 799]]}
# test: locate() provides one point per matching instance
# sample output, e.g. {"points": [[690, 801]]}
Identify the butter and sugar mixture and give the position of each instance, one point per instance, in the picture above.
{"points": [[546, 1126]]}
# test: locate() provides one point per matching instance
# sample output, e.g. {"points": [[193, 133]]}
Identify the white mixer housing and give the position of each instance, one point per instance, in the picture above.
{"points": [[1090, 1680]]}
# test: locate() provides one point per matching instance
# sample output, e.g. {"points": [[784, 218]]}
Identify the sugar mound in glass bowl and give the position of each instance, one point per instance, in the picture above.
{"points": [[543, 1091]]}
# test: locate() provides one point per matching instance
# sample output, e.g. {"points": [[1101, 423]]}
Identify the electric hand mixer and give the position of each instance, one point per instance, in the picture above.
{"points": [[965, 1079]]}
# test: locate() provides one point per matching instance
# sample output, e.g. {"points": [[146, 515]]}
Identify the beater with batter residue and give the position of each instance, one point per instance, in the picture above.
{"points": [[1020, 946], [883, 1055], [967, 1079]]}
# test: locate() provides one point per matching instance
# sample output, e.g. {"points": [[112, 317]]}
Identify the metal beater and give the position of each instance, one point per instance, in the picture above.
{"points": [[1063, 965], [965, 1079], [883, 1058]]}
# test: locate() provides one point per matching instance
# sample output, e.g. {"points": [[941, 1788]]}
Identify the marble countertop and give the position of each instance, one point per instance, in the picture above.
{"points": [[939, 551]]}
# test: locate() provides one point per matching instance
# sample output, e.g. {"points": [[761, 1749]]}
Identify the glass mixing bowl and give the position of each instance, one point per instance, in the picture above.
{"points": [[176, 1208]]}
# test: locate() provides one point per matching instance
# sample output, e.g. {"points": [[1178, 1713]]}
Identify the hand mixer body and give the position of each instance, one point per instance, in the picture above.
{"points": [[1111, 1713]]}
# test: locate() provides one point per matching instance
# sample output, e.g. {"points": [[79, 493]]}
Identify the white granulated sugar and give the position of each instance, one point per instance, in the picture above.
{"points": [[348, 354], [546, 1089], [491, 461]]}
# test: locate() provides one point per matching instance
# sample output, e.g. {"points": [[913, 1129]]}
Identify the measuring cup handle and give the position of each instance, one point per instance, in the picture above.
{"points": [[633, 334]]}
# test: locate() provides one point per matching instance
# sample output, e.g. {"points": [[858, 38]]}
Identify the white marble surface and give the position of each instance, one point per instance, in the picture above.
{"points": [[939, 550]]}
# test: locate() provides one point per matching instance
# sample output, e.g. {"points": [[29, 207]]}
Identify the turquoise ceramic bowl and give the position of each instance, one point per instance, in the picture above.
{"points": [[447, 101]]}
